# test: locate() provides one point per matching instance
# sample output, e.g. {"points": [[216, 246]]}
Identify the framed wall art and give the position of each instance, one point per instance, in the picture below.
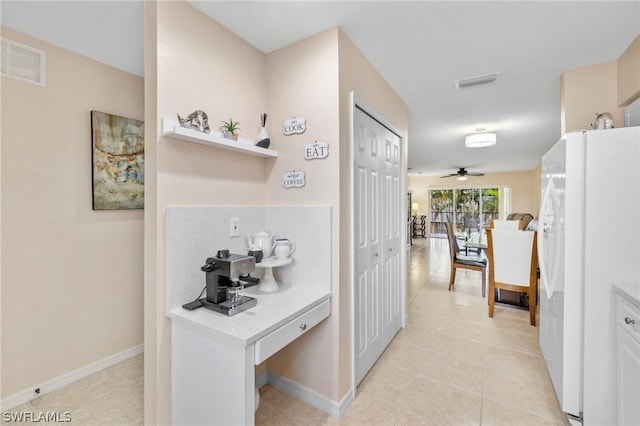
{"points": [[118, 162]]}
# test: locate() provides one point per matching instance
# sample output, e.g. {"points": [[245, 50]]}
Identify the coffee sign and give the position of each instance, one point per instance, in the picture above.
{"points": [[294, 125], [317, 149], [293, 179]]}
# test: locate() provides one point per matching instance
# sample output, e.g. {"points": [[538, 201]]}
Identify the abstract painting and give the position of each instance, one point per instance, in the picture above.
{"points": [[118, 162]]}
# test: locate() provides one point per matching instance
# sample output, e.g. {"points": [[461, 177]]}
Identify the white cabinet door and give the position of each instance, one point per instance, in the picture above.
{"points": [[377, 238], [628, 393]]}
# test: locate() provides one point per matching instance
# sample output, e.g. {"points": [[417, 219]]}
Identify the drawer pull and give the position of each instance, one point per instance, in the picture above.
{"points": [[628, 320], [303, 327]]}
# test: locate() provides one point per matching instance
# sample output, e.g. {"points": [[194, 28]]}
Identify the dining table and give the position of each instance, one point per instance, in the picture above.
{"points": [[477, 240]]}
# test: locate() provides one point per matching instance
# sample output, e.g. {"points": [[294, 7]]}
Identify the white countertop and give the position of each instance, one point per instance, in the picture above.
{"points": [[631, 292], [273, 262], [272, 311]]}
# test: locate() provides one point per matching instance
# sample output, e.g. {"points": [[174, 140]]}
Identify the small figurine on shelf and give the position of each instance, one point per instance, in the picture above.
{"points": [[263, 140], [230, 129], [197, 120]]}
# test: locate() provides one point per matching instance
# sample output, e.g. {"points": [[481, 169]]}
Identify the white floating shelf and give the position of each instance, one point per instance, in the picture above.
{"points": [[173, 129]]}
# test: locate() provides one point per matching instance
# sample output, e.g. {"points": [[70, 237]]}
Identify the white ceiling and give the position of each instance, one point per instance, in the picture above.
{"points": [[419, 47]]}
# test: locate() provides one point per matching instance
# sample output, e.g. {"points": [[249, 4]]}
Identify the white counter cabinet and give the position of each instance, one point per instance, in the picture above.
{"points": [[214, 356], [628, 353]]}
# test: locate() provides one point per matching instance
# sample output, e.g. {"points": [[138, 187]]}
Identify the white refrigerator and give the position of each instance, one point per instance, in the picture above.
{"points": [[588, 238]]}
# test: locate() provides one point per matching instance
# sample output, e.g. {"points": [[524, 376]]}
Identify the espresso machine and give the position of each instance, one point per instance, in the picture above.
{"points": [[227, 275]]}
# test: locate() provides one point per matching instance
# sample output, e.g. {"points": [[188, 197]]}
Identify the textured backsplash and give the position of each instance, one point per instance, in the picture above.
{"points": [[195, 233]]}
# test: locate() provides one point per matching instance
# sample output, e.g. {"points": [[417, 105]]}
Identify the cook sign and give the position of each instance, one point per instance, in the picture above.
{"points": [[294, 125]]}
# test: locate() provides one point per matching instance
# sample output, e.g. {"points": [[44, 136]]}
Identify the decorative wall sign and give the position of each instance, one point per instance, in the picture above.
{"points": [[118, 162], [317, 149], [293, 179], [294, 125]]}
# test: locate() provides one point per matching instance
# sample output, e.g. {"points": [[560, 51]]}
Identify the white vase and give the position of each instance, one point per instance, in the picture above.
{"points": [[263, 140]]}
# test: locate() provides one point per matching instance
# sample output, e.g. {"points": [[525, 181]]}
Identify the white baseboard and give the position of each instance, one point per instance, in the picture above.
{"points": [[261, 379], [322, 403], [29, 394]]}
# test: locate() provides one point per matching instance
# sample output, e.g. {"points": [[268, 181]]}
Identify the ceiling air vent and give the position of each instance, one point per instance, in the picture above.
{"points": [[482, 79], [22, 62]]}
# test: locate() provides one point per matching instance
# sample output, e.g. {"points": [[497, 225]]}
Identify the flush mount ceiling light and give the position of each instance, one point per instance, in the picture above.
{"points": [[479, 140], [473, 81]]}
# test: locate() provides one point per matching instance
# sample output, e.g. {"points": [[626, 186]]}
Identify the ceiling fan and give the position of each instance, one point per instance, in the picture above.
{"points": [[463, 174]]}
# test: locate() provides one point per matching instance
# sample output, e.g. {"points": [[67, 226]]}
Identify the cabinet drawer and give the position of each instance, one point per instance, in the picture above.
{"points": [[278, 339], [628, 317]]}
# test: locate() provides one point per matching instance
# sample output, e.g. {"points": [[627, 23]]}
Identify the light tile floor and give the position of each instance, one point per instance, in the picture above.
{"points": [[113, 396], [451, 365]]}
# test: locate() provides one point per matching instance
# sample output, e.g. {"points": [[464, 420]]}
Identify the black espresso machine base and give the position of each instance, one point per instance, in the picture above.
{"points": [[230, 308]]}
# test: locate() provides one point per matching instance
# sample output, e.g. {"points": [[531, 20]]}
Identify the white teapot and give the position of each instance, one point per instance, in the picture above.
{"points": [[263, 241], [283, 248]]}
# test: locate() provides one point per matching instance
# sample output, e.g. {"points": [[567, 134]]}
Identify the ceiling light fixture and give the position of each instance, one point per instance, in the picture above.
{"points": [[482, 79], [479, 140], [463, 177]]}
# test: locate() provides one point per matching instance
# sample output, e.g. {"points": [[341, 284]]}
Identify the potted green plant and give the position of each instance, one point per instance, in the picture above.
{"points": [[230, 129]]}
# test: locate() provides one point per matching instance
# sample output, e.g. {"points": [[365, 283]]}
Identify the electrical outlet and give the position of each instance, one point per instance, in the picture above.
{"points": [[235, 227]]}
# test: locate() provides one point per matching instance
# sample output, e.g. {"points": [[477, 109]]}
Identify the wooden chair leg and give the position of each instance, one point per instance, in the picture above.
{"points": [[484, 282], [532, 307], [492, 300], [452, 277]]}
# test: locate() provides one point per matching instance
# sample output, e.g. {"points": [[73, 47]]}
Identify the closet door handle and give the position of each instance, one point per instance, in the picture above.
{"points": [[375, 254]]}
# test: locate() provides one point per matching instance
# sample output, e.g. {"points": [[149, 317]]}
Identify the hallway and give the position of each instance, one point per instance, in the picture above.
{"points": [[451, 365]]}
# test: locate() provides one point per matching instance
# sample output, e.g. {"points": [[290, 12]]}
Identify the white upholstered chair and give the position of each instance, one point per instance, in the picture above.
{"points": [[513, 262]]}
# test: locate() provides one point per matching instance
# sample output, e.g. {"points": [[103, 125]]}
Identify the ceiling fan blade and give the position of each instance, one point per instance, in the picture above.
{"points": [[462, 172]]}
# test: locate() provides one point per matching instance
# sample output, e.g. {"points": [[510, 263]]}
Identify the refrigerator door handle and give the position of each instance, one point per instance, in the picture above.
{"points": [[550, 196]]}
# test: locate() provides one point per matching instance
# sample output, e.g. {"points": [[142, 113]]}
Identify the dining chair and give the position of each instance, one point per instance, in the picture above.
{"points": [[513, 262], [471, 224], [526, 218], [458, 261], [461, 240], [506, 224]]}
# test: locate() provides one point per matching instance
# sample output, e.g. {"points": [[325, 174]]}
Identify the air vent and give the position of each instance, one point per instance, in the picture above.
{"points": [[483, 79], [24, 63]]}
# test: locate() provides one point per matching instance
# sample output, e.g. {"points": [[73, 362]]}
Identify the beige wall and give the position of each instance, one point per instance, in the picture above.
{"points": [[597, 88], [72, 278], [324, 68], [357, 75], [302, 81], [299, 80], [629, 74], [586, 91], [525, 188], [536, 189], [198, 64], [156, 343]]}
